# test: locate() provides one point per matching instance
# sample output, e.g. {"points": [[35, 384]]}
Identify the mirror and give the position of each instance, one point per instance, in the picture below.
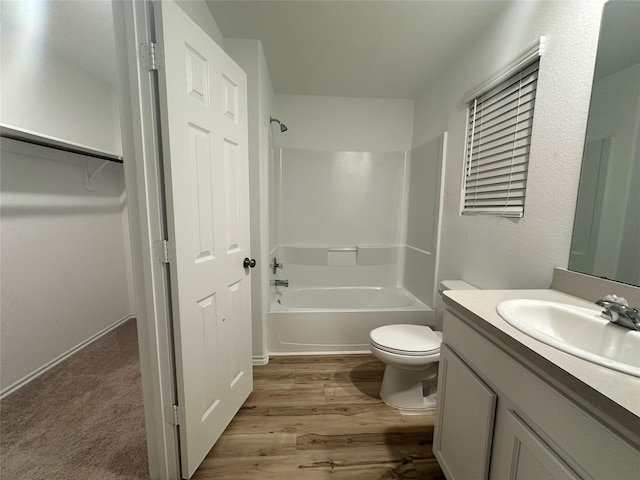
{"points": [[606, 232]]}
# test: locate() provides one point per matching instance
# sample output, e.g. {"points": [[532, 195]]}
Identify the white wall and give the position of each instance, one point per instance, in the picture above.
{"points": [[250, 56], [41, 91], [491, 252], [345, 124], [64, 273], [66, 259], [198, 11]]}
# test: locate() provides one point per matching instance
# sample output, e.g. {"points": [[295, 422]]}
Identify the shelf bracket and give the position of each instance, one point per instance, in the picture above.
{"points": [[89, 178]]}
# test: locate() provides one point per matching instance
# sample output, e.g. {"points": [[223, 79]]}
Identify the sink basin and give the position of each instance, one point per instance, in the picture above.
{"points": [[579, 331]]}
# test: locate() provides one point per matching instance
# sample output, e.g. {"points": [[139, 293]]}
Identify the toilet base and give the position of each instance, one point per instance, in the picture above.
{"points": [[409, 390]]}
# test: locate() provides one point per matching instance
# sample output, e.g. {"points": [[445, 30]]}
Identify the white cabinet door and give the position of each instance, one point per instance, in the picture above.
{"points": [[519, 453], [203, 99], [464, 420]]}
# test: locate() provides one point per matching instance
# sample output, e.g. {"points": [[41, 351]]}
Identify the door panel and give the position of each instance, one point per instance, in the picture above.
{"points": [[522, 455], [464, 420], [203, 103], [234, 190]]}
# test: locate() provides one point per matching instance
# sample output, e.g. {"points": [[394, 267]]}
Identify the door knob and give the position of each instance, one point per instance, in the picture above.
{"points": [[249, 262]]}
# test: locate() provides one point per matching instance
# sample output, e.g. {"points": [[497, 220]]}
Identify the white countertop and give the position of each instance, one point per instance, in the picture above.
{"points": [[602, 390]]}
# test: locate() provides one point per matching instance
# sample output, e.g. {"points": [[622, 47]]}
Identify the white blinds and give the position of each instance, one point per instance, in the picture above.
{"points": [[497, 149]]}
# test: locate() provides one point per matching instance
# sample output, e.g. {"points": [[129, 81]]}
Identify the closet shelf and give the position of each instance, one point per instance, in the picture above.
{"points": [[27, 136]]}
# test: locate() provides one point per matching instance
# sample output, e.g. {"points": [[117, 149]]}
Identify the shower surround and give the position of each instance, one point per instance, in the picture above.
{"points": [[341, 230]]}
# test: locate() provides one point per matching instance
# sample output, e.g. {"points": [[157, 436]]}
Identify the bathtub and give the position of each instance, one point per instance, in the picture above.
{"points": [[338, 319]]}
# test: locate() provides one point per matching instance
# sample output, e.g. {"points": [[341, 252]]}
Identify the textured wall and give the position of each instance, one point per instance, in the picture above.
{"points": [[492, 252], [66, 262], [341, 123], [64, 265], [250, 56]]}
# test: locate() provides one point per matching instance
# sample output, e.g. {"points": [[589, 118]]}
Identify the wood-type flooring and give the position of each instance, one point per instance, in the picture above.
{"points": [[321, 417]]}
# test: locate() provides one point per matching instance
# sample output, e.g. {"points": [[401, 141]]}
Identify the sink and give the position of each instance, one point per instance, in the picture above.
{"points": [[579, 331]]}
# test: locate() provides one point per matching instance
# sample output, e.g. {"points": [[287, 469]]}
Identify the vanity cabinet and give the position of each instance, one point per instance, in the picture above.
{"points": [[522, 454], [467, 408], [496, 419]]}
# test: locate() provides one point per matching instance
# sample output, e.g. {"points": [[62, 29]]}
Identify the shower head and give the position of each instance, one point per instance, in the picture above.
{"points": [[283, 127]]}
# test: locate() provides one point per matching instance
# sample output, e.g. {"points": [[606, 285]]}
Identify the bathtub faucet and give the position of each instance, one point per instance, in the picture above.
{"points": [[280, 283]]}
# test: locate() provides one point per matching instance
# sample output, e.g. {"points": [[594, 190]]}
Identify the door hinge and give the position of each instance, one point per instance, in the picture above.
{"points": [[174, 415], [163, 251], [151, 56]]}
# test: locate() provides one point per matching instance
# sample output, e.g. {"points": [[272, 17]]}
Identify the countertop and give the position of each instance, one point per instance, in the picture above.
{"points": [[613, 396]]}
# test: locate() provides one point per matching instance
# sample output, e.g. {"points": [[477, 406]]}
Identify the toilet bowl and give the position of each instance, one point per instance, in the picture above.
{"points": [[411, 354]]}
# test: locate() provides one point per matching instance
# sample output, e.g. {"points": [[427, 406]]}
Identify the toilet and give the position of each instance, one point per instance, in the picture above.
{"points": [[411, 354]]}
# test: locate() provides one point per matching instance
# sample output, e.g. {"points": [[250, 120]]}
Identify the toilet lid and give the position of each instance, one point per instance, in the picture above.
{"points": [[406, 339]]}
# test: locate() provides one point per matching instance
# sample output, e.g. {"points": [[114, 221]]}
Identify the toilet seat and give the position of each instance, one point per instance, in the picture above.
{"points": [[410, 340]]}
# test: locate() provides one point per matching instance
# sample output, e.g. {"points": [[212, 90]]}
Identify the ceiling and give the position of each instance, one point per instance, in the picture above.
{"points": [[368, 48], [360, 48], [373, 48]]}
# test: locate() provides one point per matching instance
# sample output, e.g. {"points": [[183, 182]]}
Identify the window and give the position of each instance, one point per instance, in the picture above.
{"points": [[498, 139]]}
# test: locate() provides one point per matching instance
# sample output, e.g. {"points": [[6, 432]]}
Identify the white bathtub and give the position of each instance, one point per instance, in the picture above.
{"points": [[338, 319]]}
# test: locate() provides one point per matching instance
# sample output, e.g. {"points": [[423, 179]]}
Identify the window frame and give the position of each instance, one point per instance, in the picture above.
{"points": [[530, 56]]}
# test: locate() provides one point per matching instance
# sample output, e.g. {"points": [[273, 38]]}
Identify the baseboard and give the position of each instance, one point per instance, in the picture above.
{"points": [[322, 352], [260, 359], [32, 376]]}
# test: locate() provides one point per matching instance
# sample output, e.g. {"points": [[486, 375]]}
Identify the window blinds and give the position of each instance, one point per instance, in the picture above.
{"points": [[497, 148]]}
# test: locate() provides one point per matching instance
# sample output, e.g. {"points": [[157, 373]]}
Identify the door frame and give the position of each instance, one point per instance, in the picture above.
{"points": [[141, 143]]}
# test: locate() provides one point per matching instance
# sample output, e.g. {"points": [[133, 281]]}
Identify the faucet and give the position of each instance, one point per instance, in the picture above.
{"points": [[275, 265], [280, 283], [617, 310]]}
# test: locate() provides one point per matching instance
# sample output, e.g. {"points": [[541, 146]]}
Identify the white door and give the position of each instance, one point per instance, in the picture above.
{"points": [[203, 96]]}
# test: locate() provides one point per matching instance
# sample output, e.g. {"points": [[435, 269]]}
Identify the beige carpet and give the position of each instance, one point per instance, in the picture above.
{"points": [[81, 420]]}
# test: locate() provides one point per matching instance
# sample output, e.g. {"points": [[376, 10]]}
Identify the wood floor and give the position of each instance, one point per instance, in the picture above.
{"points": [[317, 417]]}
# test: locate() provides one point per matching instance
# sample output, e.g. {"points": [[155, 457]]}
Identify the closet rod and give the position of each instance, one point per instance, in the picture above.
{"points": [[46, 141]]}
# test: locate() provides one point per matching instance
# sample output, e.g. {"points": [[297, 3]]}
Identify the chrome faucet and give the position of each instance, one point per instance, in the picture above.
{"points": [[280, 283], [617, 310], [275, 265]]}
